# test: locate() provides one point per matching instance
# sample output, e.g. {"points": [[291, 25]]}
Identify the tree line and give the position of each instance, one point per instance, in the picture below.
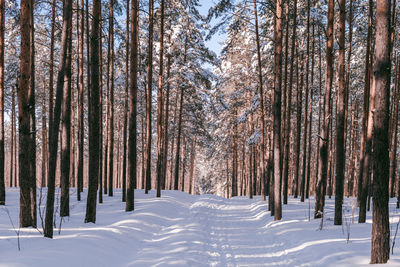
{"points": [[304, 100]]}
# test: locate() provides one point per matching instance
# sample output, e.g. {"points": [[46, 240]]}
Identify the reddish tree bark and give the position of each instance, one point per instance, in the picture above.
{"points": [[323, 145], [380, 239], [340, 143]]}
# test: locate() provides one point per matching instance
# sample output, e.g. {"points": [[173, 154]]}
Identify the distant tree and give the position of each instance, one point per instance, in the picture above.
{"points": [[126, 105], [81, 128], [160, 144], [2, 158], [110, 85], [285, 166], [261, 92], [149, 97]]}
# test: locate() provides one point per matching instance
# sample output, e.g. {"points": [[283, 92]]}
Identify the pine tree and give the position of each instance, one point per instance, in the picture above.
{"points": [[380, 246], [323, 145], [340, 143], [2, 156], [132, 157], [26, 116], [63, 82], [94, 115]]}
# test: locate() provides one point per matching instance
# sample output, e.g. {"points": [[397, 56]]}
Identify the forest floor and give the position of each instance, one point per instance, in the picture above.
{"points": [[184, 230]]}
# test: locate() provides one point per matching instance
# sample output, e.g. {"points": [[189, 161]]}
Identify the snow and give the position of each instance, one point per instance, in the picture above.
{"points": [[184, 230]]}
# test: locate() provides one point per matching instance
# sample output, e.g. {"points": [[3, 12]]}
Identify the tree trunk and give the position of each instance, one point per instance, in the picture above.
{"points": [[2, 159], [319, 111], [178, 139], [380, 239], [307, 90], [13, 140], [63, 79], [340, 143], [184, 154], [277, 110], [393, 166], [73, 142], [111, 98], [323, 146], [288, 109], [299, 102], [261, 92], [66, 119], [124, 142], [192, 167], [347, 80], [166, 124], [132, 157], [366, 138], [285, 77], [106, 131], [81, 109], [51, 67], [307, 193], [94, 111], [160, 107], [26, 108], [102, 175], [149, 97]]}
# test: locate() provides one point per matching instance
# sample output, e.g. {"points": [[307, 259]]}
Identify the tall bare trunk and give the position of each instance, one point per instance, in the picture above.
{"points": [[111, 96], [178, 138], [160, 146], [2, 159], [13, 140], [277, 110], [149, 97], [166, 124], [94, 111], [192, 167], [81, 104], [324, 142], [63, 84], [307, 90], [26, 116], [102, 175], [288, 108], [300, 80], [51, 67], [393, 165], [261, 92], [380, 239], [340, 143], [132, 157], [366, 137], [310, 120], [124, 142]]}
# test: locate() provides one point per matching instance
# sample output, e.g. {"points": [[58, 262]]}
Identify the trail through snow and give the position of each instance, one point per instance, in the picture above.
{"points": [[183, 230]]}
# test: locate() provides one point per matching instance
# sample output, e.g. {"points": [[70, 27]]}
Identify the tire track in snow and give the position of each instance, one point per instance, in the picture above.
{"points": [[233, 228]]}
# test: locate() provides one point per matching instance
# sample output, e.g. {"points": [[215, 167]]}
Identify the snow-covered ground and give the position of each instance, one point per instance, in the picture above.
{"points": [[183, 230]]}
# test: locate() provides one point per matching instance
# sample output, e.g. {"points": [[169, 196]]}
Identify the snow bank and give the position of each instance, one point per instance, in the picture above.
{"points": [[184, 230]]}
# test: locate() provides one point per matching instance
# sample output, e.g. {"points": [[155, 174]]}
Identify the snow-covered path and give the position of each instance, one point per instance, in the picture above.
{"points": [[183, 230]]}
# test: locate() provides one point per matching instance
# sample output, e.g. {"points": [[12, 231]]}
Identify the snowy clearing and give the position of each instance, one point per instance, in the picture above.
{"points": [[184, 230]]}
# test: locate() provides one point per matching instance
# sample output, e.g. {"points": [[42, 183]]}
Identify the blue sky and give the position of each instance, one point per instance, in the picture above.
{"points": [[214, 43]]}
